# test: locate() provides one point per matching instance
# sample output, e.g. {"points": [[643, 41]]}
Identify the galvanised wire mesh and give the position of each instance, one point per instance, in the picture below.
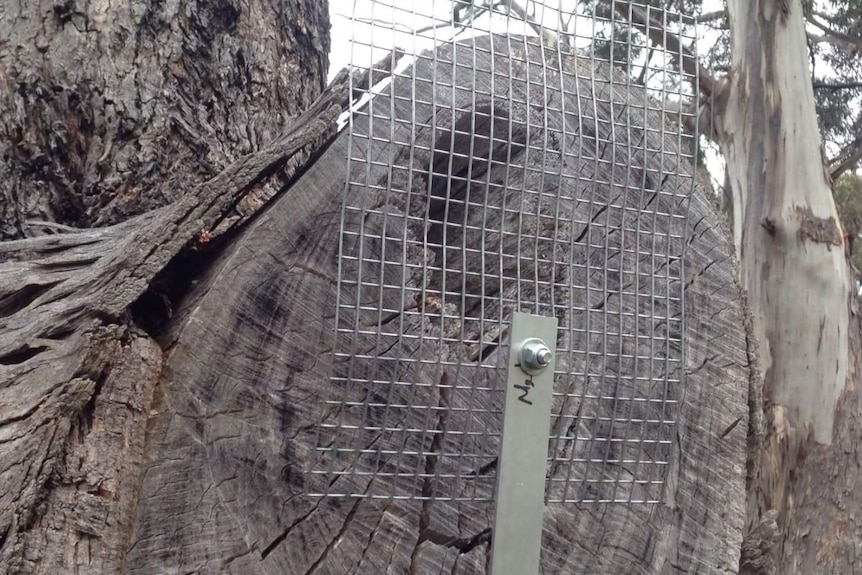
{"points": [[499, 162]]}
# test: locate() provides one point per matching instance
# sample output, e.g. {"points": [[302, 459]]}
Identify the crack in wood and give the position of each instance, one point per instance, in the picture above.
{"points": [[332, 542], [431, 461], [283, 535], [371, 533]]}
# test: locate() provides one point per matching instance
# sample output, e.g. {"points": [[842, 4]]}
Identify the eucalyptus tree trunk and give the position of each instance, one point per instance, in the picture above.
{"points": [[161, 374], [791, 248]]}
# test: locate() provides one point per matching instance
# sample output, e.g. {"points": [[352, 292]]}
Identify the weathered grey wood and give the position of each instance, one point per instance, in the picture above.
{"points": [[93, 486], [249, 359], [64, 312], [76, 373]]}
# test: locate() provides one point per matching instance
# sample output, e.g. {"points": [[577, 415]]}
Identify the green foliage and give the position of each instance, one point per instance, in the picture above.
{"points": [[848, 199], [836, 47], [620, 46]]}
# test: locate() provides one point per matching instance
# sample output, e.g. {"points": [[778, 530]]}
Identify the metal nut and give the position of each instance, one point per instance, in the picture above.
{"points": [[535, 356]]}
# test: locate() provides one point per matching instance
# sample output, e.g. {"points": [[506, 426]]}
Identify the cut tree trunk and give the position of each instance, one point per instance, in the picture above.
{"points": [[247, 377], [800, 289], [162, 378]]}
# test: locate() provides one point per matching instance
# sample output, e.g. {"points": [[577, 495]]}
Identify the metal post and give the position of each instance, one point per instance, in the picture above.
{"points": [[520, 495]]}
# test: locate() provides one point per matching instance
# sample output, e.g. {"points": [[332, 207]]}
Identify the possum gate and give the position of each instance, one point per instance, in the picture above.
{"points": [[509, 317]]}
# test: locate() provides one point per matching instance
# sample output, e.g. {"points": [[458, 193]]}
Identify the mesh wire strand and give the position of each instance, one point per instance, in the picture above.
{"points": [[497, 171]]}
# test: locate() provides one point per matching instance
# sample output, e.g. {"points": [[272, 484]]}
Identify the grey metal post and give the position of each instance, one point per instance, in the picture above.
{"points": [[520, 495]]}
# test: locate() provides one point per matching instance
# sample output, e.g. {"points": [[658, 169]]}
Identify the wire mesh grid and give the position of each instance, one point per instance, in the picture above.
{"points": [[498, 162]]}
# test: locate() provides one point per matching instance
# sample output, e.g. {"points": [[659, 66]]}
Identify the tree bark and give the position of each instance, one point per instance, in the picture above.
{"points": [[110, 110], [794, 269], [162, 377]]}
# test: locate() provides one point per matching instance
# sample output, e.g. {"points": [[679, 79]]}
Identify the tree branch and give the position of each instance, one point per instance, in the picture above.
{"points": [[847, 39], [458, 23], [655, 30], [819, 85], [710, 16], [846, 159], [642, 78], [520, 12]]}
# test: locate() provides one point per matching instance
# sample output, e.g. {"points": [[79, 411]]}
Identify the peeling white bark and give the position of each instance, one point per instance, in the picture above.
{"points": [[806, 475], [786, 227]]}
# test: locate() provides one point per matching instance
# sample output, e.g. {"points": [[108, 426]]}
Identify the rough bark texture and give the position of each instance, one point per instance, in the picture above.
{"points": [[793, 266], [109, 110], [240, 371]]}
